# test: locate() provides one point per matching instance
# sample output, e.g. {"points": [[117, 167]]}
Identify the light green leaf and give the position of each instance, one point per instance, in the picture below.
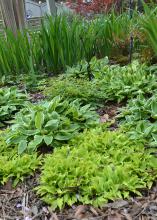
{"points": [[39, 120], [53, 124], [38, 139], [48, 139], [22, 146], [63, 136]]}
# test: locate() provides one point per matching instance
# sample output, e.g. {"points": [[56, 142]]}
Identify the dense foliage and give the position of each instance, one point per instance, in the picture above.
{"points": [[110, 83], [140, 117], [92, 7], [12, 167], [49, 123], [88, 162], [11, 100], [62, 41], [97, 167]]}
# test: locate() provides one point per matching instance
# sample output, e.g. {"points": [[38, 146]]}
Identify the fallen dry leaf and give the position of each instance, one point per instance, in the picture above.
{"points": [[54, 216], [117, 204], [93, 211], [116, 216], [104, 118], [81, 212]]}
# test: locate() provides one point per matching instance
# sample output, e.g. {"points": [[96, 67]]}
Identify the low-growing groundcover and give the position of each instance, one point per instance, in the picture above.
{"points": [[11, 101], [14, 167], [98, 166], [139, 119], [88, 163], [110, 82], [50, 124]]}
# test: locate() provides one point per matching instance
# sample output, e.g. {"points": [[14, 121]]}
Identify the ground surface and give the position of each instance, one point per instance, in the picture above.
{"points": [[22, 203]]}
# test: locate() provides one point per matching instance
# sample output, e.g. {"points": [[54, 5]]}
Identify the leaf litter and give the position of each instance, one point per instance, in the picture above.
{"points": [[22, 203]]}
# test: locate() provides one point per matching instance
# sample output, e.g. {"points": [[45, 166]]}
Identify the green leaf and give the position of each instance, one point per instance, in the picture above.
{"points": [[39, 120], [38, 139], [53, 124], [55, 115], [48, 139], [22, 146], [154, 137], [154, 108], [63, 136]]}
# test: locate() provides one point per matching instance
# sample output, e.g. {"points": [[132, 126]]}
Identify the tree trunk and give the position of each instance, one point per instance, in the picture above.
{"points": [[13, 12]]}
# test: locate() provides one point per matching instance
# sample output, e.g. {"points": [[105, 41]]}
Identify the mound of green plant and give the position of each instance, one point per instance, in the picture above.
{"points": [[110, 82], [50, 123], [98, 166], [127, 82], [14, 167], [11, 100], [97, 68], [140, 117], [86, 91], [17, 167]]}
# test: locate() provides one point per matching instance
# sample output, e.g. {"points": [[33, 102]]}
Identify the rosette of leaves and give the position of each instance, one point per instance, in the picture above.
{"points": [[50, 124], [81, 69], [139, 117], [98, 166], [11, 100]]}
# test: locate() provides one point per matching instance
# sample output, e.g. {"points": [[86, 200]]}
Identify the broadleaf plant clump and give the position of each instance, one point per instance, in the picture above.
{"points": [[139, 117], [87, 163], [11, 101], [110, 83], [50, 124]]}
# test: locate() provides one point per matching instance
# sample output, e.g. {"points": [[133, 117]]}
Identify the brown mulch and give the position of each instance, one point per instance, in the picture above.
{"points": [[22, 203], [37, 97], [109, 112]]}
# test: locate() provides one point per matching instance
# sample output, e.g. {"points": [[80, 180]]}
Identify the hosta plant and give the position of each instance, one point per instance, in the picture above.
{"points": [[81, 69], [49, 124], [11, 100], [140, 118], [98, 166], [110, 83]]}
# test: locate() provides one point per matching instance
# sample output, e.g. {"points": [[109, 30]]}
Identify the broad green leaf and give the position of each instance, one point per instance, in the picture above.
{"points": [[154, 137], [53, 124], [39, 120], [63, 136], [38, 139], [22, 146], [154, 108], [48, 139]]}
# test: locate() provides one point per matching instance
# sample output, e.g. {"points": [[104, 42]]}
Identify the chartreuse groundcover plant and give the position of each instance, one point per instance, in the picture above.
{"points": [[14, 167], [110, 83], [50, 124], [96, 167], [11, 101]]}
